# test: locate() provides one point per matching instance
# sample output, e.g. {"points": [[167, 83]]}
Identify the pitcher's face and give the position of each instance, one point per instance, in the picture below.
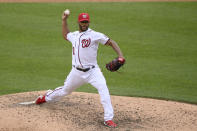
{"points": [[83, 26]]}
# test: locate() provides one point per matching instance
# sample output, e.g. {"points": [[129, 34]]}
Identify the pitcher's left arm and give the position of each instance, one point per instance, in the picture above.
{"points": [[116, 48]]}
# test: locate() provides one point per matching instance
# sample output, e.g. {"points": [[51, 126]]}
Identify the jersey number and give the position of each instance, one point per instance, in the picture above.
{"points": [[73, 50]]}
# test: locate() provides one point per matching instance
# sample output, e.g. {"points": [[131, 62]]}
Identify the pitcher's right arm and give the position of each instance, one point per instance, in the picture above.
{"points": [[65, 29]]}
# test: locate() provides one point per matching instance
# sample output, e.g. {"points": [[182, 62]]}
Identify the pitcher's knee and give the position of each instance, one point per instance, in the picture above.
{"points": [[101, 86], [67, 90]]}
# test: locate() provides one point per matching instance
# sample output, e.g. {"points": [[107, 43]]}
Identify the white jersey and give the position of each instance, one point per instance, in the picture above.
{"points": [[85, 46], [84, 55]]}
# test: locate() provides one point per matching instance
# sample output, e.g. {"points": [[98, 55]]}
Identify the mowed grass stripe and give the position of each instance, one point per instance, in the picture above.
{"points": [[158, 40]]}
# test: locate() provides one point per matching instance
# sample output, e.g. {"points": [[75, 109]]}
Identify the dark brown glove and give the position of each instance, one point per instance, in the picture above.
{"points": [[115, 64]]}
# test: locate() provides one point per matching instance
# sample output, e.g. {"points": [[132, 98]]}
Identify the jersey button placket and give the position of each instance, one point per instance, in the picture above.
{"points": [[79, 48]]}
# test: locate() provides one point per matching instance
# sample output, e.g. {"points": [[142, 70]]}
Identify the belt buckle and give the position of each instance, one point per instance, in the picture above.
{"points": [[84, 70]]}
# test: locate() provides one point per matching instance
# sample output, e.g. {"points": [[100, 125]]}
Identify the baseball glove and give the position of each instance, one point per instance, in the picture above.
{"points": [[115, 64]]}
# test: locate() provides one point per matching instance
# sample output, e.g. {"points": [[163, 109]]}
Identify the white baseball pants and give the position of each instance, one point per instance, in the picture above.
{"points": [[77, 78]]}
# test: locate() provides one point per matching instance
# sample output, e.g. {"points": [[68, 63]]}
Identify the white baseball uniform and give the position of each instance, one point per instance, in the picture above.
{"points": [[85, 69]]}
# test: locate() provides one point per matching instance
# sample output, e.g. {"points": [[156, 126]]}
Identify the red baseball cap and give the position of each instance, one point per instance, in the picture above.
{"points": [[84, 17]]}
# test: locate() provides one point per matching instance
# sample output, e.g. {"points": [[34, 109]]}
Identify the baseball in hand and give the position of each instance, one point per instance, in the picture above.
{"points": [[67, 12]]}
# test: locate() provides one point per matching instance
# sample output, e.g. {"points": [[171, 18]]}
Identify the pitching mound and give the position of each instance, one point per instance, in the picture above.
{"points": [[83, 111]]}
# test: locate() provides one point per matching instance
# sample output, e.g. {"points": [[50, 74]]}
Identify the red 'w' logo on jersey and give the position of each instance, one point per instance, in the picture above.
{"points": [[86, 42]]}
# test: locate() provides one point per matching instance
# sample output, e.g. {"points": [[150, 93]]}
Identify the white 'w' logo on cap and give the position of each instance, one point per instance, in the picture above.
{"points": [[84, 16]]}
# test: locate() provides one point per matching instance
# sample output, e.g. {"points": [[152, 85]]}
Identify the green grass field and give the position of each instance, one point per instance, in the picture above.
{"points": [[159, 41]]}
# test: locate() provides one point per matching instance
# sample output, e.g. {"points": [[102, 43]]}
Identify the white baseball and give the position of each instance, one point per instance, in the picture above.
{"points": [[67, 12]]}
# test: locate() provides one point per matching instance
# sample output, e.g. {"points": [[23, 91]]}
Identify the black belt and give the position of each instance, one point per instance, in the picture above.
{"points": [[84, 70]]}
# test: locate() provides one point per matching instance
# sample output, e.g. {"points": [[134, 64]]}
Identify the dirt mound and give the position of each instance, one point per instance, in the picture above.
{"points": [[83, 111]]}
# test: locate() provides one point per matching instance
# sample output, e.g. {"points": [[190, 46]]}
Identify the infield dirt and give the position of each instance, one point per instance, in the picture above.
{"points": [[83, 111]]}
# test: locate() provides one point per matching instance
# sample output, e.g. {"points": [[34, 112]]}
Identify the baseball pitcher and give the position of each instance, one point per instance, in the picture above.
{"points": [[85, 69]]}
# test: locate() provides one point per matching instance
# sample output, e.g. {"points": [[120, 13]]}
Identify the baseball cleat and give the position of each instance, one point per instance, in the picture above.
{"points": [[110, 123], [40, 100]]}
